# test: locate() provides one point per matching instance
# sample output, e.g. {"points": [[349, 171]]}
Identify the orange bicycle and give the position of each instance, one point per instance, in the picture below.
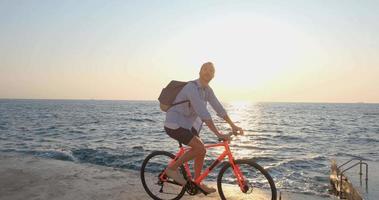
{"points": [[253, 181]]}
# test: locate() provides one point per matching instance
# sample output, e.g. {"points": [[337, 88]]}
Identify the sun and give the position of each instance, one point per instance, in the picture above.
{"points": [[249, 51], [254, 51]]}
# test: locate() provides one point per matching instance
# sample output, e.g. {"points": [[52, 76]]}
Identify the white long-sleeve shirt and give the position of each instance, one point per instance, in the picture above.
{"points": [[184, 115]]}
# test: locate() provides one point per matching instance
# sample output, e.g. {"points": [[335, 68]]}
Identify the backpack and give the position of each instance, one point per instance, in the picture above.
{"points": [[169, 93]]}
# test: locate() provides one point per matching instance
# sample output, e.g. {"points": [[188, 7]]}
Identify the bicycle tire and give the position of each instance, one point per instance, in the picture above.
{"points": [[143, 171], [252, 164]]}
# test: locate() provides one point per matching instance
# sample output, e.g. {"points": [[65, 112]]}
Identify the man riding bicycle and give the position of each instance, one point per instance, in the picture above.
{"points": [[180, 122]]}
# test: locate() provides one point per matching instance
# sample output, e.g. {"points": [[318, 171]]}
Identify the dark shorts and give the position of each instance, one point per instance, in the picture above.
{"points": [[182, 135]]}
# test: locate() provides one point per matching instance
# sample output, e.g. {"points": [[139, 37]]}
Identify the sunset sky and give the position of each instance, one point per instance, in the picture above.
{"points": [[277, 51]]}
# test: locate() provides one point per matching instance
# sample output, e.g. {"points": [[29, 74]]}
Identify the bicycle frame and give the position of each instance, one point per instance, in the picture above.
{"points": [[225, 153]]}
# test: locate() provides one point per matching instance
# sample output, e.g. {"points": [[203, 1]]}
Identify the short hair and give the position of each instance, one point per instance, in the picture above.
{"points": [[206, 64]]}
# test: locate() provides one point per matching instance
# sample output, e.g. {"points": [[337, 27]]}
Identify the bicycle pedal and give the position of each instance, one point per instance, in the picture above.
{"points": [[193, 189]]}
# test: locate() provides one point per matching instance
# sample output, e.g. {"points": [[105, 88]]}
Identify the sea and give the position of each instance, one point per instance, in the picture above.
{"points": [[295, 142]]}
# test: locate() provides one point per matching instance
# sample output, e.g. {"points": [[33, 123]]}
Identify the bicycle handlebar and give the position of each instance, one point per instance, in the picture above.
{"points": [[231, 134]]}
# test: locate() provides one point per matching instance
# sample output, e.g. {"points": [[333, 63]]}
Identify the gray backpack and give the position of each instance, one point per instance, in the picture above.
{"points": [[169, 93]]}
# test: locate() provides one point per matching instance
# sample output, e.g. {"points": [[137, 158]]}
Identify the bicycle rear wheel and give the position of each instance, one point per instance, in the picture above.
{"points": [[259, 185], [152, 167]]}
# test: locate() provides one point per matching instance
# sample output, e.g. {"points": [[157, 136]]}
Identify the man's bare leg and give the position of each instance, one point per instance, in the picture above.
{"points": [[199, 162], [196, 150]]}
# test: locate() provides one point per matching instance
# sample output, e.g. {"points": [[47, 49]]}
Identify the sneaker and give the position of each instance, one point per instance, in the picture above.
{"points": [[174, 174], [207, 189]]}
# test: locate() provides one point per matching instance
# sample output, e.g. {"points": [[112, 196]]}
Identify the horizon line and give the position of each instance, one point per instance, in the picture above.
{"points": [[89, 99]]}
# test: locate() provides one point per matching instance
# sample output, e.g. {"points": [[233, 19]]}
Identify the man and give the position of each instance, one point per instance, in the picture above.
{"points": [[180, 120]]}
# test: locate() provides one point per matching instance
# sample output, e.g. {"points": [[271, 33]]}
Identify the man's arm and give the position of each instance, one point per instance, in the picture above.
{"points": [[213, 128], [235, 129], [222, 113], [201, 110], [229, 121]]}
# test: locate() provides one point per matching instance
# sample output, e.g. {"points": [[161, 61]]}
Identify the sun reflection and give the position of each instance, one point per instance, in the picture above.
{"points": [[247, 115], [242, 112], [240, 104], [238, 110]]}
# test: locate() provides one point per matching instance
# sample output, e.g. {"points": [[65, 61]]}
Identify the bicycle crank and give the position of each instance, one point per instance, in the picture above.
{"points": [[191, 188]]}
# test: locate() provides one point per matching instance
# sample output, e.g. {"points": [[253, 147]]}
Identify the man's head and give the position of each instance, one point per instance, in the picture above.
{"points": [[206, 73]]}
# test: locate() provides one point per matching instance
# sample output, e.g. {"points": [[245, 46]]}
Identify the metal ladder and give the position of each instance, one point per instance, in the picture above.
{"points": [[341, 173]]}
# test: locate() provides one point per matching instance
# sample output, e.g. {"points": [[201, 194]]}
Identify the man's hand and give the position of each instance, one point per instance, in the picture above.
{"points": [[224, 136], [237, 130]]}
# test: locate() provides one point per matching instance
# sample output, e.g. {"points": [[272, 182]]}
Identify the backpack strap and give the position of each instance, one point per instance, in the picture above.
{"points": [[185, 101], [180, 102]]}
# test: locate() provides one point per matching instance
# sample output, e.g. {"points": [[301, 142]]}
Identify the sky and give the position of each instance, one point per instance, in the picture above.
{"points": [[275, 51]]}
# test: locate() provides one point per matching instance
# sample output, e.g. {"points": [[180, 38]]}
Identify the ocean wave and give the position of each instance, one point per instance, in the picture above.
{"points": [[261, 138], [321, 179], [76, 131], [263, 131], [264, 159], [156, 113], [8, 150], [363, 141], [51, 154], [248, 147], [288, 138], [86, 123], [350, 156], [319, 158], [300, 164], [371, 114], [141, 120], [307, 130], [137, 147], [287, 149], [51, 127], [106, 157], [267, 123]]}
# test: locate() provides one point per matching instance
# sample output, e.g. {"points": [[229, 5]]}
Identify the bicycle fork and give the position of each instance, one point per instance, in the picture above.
{"points": [[242, 182]]}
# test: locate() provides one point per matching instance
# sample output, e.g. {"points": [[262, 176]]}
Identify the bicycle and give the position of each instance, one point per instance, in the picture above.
{"points": [[246, 173]]}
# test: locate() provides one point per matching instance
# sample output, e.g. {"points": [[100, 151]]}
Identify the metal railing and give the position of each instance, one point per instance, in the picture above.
{"points": [[341, 173]]}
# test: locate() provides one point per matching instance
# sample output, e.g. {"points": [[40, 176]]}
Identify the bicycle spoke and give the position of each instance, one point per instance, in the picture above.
{"points": [[151, 171]]}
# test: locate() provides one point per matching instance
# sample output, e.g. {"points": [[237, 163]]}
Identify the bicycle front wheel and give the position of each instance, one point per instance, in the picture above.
{"points": [[152, 168], [259, 184]]}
